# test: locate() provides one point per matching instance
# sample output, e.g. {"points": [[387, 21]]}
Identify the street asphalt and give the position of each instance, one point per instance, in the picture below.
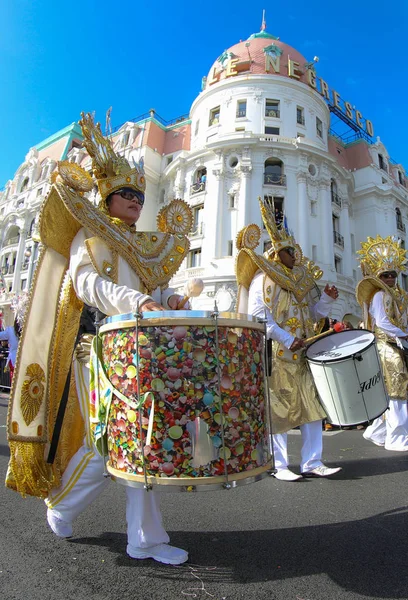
{"points": [[317, 539]]}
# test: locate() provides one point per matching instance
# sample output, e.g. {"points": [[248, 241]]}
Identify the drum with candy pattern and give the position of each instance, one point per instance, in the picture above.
{"points": [[205, 424]]}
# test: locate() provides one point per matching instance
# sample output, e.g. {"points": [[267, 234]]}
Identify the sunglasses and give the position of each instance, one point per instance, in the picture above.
{"points": [[129, 194], [388, 274]]}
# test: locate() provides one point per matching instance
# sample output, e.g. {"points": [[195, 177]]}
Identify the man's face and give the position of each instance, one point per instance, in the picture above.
{"points": [[126, 205], [389, 278], [287, 257]]}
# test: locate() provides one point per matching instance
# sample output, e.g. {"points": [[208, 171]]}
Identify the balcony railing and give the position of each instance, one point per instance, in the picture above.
{"points": [[197, 187], [272, 113], [336, 199], [241, 113], [300, 120], [271, 179], [400, 226], [338, 239]]}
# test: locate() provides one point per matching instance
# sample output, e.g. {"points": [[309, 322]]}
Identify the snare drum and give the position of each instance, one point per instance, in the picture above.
{"points": [[201, 427], [347, 373]]}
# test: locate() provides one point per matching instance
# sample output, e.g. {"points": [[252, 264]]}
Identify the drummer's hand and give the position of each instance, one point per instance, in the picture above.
{"points": [[331, 291], [296, 344], [175, 300], [151, 306]]}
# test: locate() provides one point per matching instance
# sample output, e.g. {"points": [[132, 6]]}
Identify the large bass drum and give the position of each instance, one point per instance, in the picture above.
{"points": [[188, 410], [347, 372]]}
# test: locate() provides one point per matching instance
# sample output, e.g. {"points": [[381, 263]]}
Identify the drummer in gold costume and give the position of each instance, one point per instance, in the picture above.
{"points": [[94, 257], [385, 307], [280, 285]]}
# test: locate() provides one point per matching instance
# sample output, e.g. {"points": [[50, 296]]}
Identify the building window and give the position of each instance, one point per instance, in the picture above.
{"points": [[313, 208], [381, 162], [404, 282], [300, 135], [23, 284], [241, 108], [214, 116], [354, 275], [319, 127], [125, 138], [200, 180], [169, 160], [338, 238], [400, 224], [353, 243], [300, 115], [273, 174], [39, 192], [231, 201], [334, 195], [272, 130], [337, 264], [314, 253], [197, 127], [198, 213], [24, 185], [194, 258], [272, 109], [401, 178], [230, 248]]}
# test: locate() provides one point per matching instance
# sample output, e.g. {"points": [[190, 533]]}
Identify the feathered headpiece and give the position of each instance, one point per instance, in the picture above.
{"points": [[19, 306], [381, 254], [281, 238], [112, 172]]}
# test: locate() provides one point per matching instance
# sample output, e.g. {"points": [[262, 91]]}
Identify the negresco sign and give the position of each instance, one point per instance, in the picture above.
{"points": [[236, 66]]}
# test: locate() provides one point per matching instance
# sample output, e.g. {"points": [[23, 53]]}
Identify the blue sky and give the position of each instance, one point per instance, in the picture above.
{"points": [[58, 59]]}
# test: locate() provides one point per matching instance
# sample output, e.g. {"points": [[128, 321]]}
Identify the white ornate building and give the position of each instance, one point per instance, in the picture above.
{"points": [[259, 127]]}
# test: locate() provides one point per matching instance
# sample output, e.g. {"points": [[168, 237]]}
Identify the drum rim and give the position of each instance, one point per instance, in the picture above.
{"points": [[342, 358], [181, 317]]}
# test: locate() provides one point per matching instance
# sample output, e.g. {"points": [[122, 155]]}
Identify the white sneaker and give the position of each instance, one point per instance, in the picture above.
{"points": [[322, 471], [61, 528], [164, 553], [287, 475]]}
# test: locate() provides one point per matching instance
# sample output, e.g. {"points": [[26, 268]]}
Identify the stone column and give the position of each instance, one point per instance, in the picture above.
{"points": [[325, 208], [244, 200], [302, 232], [345, 232], [19, 260], [219, 212]]}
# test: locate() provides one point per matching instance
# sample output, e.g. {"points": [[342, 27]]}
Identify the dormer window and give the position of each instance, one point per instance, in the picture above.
{"points": [[214, 116], [381, 163], [272, 109]]}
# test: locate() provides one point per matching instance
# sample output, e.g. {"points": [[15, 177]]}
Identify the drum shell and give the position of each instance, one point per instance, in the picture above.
{"points": [[190, 437], [351, 389]]}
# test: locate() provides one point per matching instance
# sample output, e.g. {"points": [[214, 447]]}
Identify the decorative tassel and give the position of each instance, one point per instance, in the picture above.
{"points": [[28, 473]]}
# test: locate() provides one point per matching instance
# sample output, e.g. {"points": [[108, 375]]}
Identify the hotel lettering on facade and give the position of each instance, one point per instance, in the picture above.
{"points": [[261, 126]]}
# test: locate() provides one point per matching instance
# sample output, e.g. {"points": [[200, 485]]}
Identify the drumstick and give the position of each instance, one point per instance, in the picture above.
{"points": [[336, 329], [192, 289]]}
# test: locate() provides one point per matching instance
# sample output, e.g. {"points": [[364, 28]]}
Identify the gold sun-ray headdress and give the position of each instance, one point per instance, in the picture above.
{"points": [[381, 254]]}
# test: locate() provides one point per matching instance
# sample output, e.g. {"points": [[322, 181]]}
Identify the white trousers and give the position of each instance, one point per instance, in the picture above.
{"points": [[391, 429], [311, 451], [83, 480]]}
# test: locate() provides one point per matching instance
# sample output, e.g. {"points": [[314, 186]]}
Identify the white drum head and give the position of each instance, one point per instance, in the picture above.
{"points": [[339, 346]]}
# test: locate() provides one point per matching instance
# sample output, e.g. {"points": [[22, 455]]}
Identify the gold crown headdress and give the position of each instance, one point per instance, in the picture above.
{"points": [[381, 254], [111, 170], [280, 237]]}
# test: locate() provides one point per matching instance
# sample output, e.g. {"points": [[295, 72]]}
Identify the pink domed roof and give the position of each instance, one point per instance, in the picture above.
{"points": [[251, 55]]}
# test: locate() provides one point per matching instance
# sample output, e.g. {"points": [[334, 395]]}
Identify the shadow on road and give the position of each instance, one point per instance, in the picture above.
{"points": [[367, 557]]}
